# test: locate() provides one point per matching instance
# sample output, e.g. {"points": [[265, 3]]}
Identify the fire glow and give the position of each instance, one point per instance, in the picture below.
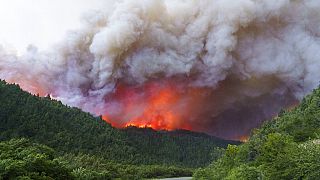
{"points": [[165, 104], [208, 66], [162, 105]]}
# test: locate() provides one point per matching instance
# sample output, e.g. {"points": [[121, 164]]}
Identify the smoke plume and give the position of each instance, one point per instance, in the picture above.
{"points": [[215, 66]]}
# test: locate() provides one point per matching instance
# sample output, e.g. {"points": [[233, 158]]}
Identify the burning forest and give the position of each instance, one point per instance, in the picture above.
{"points": [[216, 66]]}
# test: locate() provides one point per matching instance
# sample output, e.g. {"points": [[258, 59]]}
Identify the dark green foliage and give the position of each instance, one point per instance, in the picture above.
{"points": [[185, 147], [86, 147], [70, 130], [87, 166], [19, 158], [288, 147]]}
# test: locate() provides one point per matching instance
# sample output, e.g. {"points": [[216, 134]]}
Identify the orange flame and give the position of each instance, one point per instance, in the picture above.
{"points": [[158, 114], [156, 105], [160, 105], [244, 138]]}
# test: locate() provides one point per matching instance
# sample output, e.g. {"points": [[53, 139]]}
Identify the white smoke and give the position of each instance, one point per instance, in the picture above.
{"points": [[257, 55]]}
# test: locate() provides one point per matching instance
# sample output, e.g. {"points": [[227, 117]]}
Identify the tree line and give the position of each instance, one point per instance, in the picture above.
{"points": [[287, 147], [77, 136]]}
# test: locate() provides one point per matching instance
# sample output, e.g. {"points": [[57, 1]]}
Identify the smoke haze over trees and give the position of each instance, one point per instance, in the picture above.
{"points": [[69, 130], [244, 59], [288, 147]]}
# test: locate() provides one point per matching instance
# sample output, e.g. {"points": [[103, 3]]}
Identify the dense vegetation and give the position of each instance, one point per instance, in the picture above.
{"points": [[85, 142], [22, 159], [288, 147]]}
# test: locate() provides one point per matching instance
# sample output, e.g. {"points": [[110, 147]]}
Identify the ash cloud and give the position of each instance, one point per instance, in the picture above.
{"points": [[255, 56]]}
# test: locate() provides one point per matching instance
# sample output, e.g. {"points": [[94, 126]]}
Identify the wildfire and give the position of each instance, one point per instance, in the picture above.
{"points": [[30, 86], [158, 113], [244, 138], [139, 126], [156, 105]]}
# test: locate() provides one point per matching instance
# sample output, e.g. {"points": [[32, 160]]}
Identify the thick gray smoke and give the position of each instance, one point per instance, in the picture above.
{"points": [[256, 56]]}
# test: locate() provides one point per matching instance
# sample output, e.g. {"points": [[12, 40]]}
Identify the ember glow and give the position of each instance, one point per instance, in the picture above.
{"points": [[244, 138], [160, 105], [221, 67]]}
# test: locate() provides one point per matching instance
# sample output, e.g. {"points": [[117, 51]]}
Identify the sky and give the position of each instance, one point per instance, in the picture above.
{"points": [[40, 22], [254, 57]]}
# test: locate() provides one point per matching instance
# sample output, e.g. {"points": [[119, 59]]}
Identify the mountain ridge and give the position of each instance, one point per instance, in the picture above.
{"points": [[284, 148], [67, 129]]}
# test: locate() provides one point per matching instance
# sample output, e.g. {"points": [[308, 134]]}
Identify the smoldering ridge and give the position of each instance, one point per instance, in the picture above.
{"points": [[254, 56]]}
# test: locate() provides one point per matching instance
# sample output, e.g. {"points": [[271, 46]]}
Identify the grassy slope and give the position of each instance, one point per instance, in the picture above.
{"points": [[288, 147], [69, 130]]}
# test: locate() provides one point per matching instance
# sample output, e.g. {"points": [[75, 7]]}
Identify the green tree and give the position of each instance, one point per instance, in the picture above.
{"points": [[19, 158]]}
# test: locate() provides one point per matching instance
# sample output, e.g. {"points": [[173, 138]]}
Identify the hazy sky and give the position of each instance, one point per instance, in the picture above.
{"points": [[40, 22]]}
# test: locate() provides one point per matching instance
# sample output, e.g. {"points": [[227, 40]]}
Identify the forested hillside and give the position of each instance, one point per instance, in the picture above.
{"points": [[78, 135], [288, 147], [22, 159]]}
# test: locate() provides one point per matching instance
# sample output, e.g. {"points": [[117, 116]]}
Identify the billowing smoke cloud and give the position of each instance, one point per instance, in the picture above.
{"points": [[246, 59]]}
